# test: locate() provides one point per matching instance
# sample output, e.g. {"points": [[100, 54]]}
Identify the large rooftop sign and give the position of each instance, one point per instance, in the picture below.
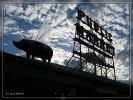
{"points": [[92, 47]]}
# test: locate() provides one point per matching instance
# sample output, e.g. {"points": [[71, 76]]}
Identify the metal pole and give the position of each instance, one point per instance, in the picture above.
{"points": [[114, 70], [80, 53], [101, 70]]}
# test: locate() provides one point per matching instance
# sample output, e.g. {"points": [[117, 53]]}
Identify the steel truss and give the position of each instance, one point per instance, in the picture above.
{"points": [[89, 55]]}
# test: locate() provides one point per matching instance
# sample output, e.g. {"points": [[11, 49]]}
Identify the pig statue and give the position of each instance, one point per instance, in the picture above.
{"points": [[35, 48]]}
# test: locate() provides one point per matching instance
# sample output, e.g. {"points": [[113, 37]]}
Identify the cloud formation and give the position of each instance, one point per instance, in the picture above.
{"points": [[57, 21]]}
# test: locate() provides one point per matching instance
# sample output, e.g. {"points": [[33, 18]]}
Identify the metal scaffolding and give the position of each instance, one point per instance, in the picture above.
{"points": [[92, 48]]}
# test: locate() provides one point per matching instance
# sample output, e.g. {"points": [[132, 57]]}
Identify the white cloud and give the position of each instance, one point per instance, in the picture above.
{"points": [[21, 53], [72, 6], [122, 71], [8, 21], [9, 8], [5, 44], [19, 10], [31, 33], [29, 10], [120, 28], [59, 55], [116, 7]]}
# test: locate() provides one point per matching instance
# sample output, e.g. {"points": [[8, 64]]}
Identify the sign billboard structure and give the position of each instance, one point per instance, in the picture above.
{"points": [[93, 47]]}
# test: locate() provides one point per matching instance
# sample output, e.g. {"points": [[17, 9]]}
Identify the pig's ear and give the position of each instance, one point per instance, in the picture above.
{"points": [[15, 43], [22, 40]]}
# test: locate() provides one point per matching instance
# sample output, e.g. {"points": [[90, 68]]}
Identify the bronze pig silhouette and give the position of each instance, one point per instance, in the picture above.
{"points": [[35, 48]]}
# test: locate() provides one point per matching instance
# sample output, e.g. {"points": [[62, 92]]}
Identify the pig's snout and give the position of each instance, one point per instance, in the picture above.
{"points": [[16, 44]]}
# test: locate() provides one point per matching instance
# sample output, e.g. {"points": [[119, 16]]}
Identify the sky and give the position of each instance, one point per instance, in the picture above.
{"points": [[25, 20]]}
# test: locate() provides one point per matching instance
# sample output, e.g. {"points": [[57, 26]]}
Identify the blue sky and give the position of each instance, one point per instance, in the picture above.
{"points": [[24, 20]]}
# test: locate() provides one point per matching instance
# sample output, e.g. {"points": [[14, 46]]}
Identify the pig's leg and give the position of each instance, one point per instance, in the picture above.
{"points": [[44, 60], [33, 56], [49, 59], [28, 55]]}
